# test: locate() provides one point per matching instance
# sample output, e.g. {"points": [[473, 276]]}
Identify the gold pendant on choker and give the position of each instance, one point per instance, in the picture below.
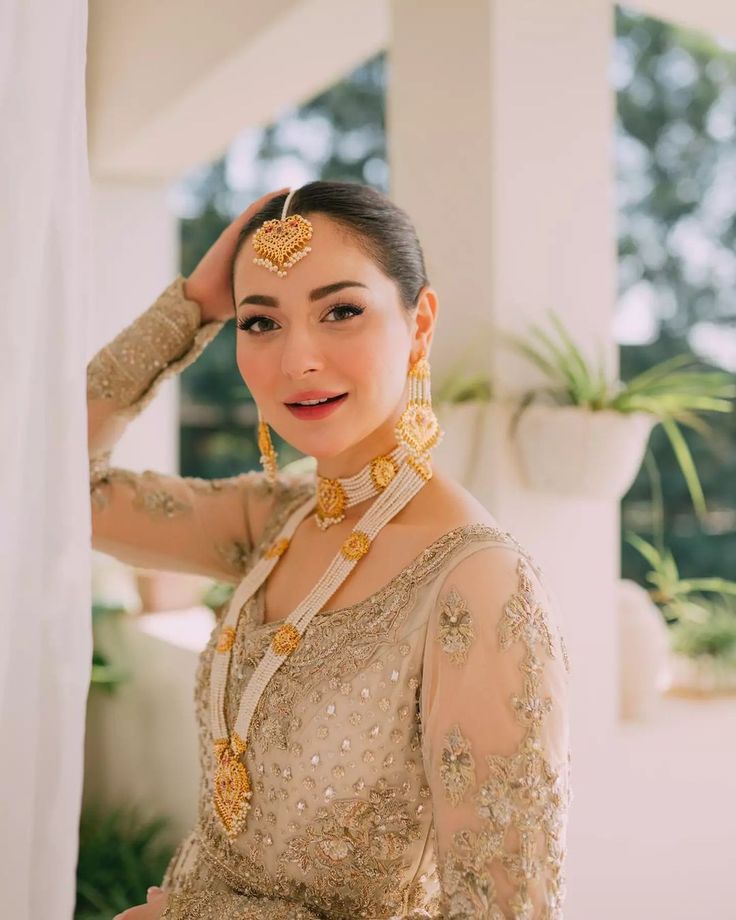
{"points": [[335, 495]]}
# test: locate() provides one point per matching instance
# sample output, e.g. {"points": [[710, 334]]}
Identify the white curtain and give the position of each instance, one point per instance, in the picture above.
{"points": [[45, 629]]}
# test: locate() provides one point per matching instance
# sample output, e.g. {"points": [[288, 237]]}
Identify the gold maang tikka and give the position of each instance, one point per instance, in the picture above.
{"points": [[280, 244]]}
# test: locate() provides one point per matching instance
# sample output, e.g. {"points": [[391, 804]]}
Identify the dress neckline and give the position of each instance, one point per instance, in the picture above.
{"points": [[476, 528]]}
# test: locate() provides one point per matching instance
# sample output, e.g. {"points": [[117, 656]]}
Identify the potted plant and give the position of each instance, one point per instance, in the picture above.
{"points": [[121, 853], [460, 402], [701, 615], [585, 434]]}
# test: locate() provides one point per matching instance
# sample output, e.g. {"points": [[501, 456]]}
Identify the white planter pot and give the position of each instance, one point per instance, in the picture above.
{"points": [[702, 676], [575, 451], [457, 454], [643, 652]]}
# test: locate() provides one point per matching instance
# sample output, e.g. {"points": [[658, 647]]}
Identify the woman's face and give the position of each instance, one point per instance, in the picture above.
{"points": [[301, 333]]}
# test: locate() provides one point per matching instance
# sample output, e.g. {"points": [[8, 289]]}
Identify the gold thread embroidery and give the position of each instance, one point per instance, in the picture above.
{"points": [[455, 627], [457, 769], [523, 799]]}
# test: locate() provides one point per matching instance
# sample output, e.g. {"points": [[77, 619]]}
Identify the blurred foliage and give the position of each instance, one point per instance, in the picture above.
{"points": [[676, 123], [106, 676], [701, 612], [714, 635], [120, 856], [675, 157]]}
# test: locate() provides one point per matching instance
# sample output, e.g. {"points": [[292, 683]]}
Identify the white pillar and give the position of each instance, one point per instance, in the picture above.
{"points": [[500, 121], [135, 257]]}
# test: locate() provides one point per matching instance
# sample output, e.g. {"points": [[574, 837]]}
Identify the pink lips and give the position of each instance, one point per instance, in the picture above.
{"points": [[319, 411]]}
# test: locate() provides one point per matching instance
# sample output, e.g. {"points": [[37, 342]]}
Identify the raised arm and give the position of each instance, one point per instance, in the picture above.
{"points": [[495, 740], [150, 519]]}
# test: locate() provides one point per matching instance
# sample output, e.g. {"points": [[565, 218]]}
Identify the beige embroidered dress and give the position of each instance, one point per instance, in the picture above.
{"points": [[411, 758]]}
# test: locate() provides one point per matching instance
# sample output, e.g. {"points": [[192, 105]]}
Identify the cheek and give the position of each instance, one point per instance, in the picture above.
{"points": [[255, 368]]}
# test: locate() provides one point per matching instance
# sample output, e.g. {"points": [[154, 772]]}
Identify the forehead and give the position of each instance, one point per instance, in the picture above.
{"points": [[335, 255]]}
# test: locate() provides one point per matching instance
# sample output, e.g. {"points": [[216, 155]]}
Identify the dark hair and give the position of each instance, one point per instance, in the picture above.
{"points": [[381, 228]]}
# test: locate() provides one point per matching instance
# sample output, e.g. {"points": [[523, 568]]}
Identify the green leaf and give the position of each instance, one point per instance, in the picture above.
{"points": [[687, 466]]}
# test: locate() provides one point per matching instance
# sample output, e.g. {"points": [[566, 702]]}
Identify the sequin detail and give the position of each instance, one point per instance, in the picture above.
{"points": [[521, 802], [455, 628], [457, 770]]}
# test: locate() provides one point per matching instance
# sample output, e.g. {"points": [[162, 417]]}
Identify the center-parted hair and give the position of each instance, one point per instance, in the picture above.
{"points": [[383, 230]]}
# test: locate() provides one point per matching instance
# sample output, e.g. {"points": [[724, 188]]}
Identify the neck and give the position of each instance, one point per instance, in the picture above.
{"points": [[352, 460]]}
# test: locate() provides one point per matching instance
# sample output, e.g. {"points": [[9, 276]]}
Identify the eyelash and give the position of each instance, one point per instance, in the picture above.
{"points": [[247, 323]]}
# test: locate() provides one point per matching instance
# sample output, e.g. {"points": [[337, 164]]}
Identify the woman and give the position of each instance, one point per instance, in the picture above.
{"points": [[389, 744]]}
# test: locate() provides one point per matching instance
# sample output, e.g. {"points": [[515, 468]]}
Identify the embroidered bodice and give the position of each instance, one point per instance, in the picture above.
{"points": [[411, 758]]}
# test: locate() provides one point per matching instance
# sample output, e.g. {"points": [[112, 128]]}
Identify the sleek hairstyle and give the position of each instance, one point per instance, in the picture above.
{"points": [[382, 229]]}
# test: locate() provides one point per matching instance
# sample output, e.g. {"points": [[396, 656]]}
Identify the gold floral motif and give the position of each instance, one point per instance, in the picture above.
{"points": [[455, 627], [522, 801], [524, 618], [383, 471], [277, 549], [356, 545], [227, 639], [418, 428], [354, 848], [148, 493], [457, 769], [286, 640], [331, 498]]}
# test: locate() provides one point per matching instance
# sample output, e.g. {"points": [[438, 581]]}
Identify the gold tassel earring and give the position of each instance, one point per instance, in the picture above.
{"points": [[269, 455], [418, 428]]}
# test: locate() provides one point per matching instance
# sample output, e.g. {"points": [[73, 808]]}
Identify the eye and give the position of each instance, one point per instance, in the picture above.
{"points": [[355, 311], [247, 323]]}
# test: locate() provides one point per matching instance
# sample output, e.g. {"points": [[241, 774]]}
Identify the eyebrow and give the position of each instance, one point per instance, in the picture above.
{"points": [[264, 300]]}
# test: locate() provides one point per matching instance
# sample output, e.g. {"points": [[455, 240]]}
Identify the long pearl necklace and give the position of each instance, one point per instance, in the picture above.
{"points": [[232, 786]]}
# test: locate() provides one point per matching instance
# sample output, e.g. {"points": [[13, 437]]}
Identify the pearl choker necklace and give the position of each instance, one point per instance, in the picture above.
{"points": [[335, 495]]}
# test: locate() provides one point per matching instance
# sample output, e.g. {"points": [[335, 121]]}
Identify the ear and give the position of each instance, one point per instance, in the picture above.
{"points": [[424, 319]]}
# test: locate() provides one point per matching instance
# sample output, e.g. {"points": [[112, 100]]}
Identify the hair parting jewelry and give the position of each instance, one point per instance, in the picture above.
{"points": [[280, 244]]}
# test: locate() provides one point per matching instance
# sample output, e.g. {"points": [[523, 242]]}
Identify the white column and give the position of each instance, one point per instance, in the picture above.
{"points": [[135, 257], [500, 121]]}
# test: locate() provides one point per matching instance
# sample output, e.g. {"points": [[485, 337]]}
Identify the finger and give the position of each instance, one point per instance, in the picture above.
{"points": [[153, 892]]}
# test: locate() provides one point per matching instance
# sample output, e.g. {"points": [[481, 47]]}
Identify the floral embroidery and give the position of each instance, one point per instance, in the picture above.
{"points": [[455, 627], [355, 847], [523, 800], [457, 769], [149, 496], [212, 905], [235, 555]]}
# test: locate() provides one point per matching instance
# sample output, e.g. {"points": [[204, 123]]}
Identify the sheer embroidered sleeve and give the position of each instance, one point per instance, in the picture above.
{"points": [[151, 519], [233, 906], [495, 740]]}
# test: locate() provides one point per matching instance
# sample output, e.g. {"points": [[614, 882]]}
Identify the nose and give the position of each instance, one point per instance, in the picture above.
{"points": [[301, 354]]}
